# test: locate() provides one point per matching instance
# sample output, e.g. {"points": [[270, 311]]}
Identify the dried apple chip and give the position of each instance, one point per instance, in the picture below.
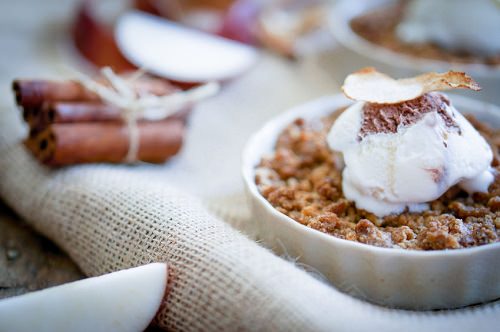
{"points": [[372, 86]]}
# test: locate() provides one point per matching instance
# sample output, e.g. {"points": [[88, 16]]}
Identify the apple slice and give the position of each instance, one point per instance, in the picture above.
{"points": [[180, 53], [126, 300]]}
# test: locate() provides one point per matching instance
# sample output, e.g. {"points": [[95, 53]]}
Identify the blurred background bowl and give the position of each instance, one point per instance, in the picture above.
{"points": [[358, 52]]}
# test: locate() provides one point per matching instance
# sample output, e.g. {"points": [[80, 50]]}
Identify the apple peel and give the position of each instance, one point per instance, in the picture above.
{"points": [[369, 85], [126, 300]]}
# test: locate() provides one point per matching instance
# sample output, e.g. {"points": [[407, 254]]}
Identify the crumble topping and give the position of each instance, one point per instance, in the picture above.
{"points": [[303, 180]]}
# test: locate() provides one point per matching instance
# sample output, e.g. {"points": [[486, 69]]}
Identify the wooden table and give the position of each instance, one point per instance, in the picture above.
{"points": [[28, 261]]}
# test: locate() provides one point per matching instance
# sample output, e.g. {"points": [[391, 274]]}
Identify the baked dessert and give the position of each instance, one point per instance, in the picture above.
{"points": [[399, 168], [459, 31]]}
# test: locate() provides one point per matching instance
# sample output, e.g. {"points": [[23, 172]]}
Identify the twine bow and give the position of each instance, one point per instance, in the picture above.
{"points": [[144, 105]]}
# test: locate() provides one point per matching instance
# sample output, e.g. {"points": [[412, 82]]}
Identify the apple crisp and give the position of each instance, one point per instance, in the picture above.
{"points": [[302, 178], [379, 27]]}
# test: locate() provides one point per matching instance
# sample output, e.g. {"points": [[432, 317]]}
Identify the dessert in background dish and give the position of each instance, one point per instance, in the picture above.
{"points": [[456, 31], [458, 26], [399, 168]]}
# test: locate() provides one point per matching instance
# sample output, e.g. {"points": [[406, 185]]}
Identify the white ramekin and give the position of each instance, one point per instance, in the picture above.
{"points": [[343, 11], [392, 277]]}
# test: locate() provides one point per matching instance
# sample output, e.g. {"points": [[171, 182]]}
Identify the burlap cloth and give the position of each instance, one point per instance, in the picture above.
{"points": [[187, 212]]}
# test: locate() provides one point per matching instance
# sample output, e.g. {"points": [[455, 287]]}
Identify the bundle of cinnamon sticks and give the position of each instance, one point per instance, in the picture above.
{"points": [[68, 124]]}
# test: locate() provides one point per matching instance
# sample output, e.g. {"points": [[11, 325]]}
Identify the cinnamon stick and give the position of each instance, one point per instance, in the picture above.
{"points": [[74, 143], [73, 112], [71, 125], [33, 93]]}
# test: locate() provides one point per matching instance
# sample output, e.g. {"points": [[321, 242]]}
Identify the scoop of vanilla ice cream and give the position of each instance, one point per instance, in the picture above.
{"points": [[457, 25], [387, 172]]}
